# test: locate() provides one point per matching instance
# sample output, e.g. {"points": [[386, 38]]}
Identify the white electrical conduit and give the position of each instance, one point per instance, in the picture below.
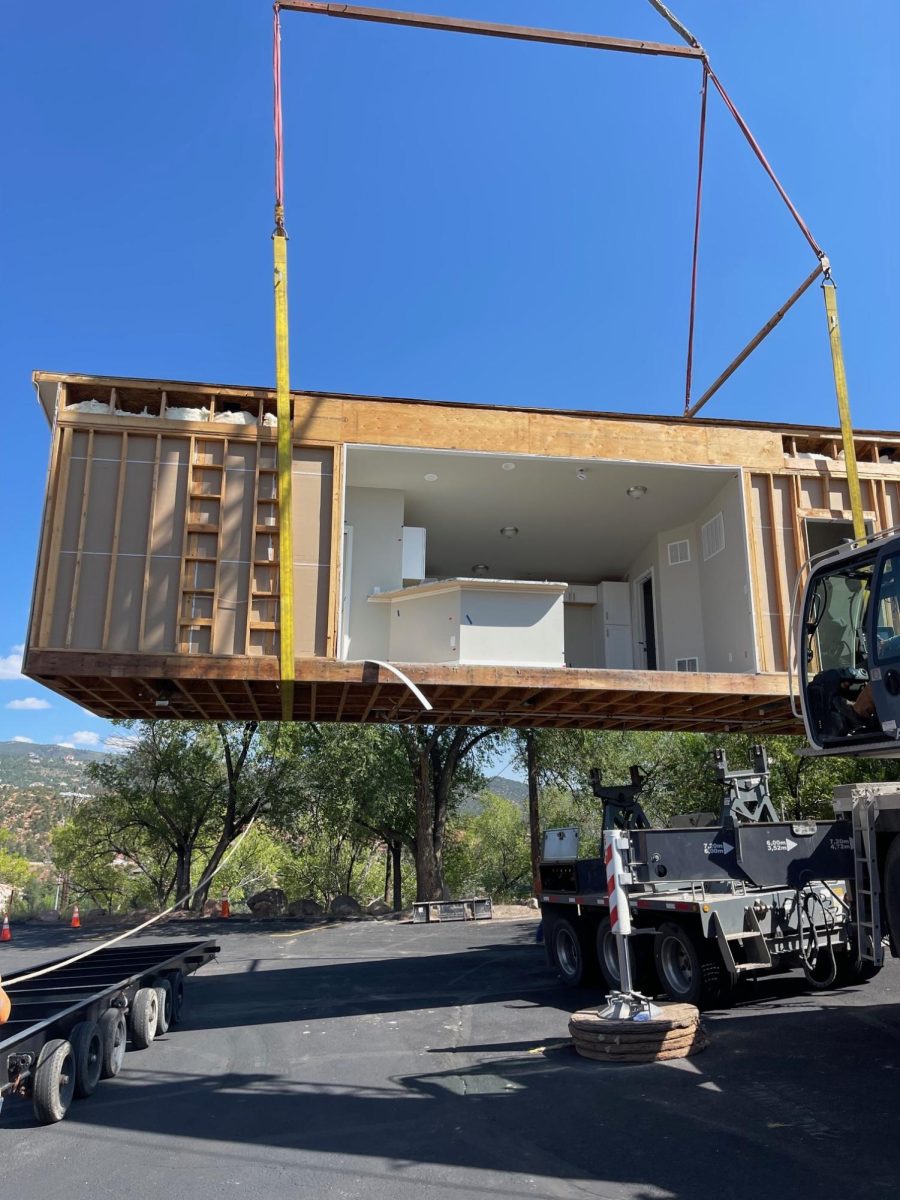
{"points": [[403, 679]]}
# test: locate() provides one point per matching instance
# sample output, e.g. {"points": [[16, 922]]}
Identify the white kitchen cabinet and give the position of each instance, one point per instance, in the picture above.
{"points": [[614, 600], [413, 554]]}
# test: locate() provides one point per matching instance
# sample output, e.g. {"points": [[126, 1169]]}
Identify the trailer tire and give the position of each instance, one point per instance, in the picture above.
{"points": [[87, 1047], [643, 970], [163, 990], [890, 892], [54, 1081], [176, 982], [114, 1032], [689, 971], [572, 953], [144, 1017]]}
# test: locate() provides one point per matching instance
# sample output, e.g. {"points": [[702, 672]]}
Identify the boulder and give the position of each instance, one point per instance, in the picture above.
{"points": [[48, 915], [305, 908], [344, 906], [270, 903], [378, 908], [212, 908]]}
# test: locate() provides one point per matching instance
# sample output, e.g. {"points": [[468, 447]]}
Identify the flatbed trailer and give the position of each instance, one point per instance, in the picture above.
{"points": [[69, 1028], [711, 903]]}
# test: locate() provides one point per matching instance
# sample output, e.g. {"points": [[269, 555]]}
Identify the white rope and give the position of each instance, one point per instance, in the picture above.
{"points": [[120, 937]]}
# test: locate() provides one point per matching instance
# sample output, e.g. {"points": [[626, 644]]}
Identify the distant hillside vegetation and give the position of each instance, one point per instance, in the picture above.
{"points": [[39, 785], [509, 789]]}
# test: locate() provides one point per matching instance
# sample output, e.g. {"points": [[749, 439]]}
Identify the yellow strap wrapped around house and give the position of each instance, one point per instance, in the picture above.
{"points": [[843, 399], [285, 462]]}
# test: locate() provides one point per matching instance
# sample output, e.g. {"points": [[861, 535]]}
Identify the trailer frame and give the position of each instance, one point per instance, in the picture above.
{"points": [[55, 1013]]}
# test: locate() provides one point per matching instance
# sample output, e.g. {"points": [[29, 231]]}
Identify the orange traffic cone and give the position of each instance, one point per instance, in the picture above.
{"points": [[225, 907], [5, 935], [76, 919]]}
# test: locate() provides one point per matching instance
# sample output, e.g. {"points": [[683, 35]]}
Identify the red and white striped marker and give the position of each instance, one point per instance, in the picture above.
{"points": [[626, 1003], [619, 912]]}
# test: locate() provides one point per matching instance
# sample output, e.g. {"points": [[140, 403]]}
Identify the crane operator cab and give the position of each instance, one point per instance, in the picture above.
{"points": [[848, 650]]}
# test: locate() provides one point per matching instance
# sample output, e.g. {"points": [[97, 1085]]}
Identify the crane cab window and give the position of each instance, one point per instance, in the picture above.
{"points": [[838, 697], [887, 611], [835, 619]]}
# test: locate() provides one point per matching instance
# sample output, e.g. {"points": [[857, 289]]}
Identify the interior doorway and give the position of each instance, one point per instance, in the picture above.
{"points": [[645, 623]]}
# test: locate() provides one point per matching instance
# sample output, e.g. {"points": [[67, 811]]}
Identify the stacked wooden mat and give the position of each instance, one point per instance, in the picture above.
{"points": [[676, 1033]]}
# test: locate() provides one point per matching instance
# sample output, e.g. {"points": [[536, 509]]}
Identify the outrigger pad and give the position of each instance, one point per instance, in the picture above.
{"points": [[677, 1033]]}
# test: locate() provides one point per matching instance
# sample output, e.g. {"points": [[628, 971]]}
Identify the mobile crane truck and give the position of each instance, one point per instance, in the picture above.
{"points": [[718, 897]]}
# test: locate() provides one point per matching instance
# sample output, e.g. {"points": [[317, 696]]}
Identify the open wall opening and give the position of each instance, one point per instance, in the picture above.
{"points": [[465, 558]]}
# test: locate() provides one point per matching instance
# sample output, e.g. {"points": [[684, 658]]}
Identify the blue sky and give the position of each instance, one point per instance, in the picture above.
{"points": [[470, 219]]}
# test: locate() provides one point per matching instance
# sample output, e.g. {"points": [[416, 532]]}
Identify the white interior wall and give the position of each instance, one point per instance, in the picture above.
{"points": [[376, 515], [726, 605], [425, 629], [678, 601]]}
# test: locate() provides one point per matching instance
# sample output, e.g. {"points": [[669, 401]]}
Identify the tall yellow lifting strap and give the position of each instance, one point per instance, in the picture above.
{"points": [[843, 399], [285, 462]]}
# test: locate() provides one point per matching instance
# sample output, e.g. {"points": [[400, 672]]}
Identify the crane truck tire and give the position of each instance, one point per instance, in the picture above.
{"points": [[643, 971], [572, 957], [689, 968]]}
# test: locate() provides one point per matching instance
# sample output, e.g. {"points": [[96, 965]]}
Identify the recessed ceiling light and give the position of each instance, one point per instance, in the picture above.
{"points": [[509, 531], [636, 491], [431, 477], [480, 568], [508, 466]]}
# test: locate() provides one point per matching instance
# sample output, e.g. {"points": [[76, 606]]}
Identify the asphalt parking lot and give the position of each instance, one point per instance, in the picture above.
{"points": [[387, 1060]]}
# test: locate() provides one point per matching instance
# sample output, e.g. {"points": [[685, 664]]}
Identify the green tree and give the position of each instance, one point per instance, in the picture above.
{"points": [[396, 783], [488, 850], [14, 869], [82, 853], [175, 801]]}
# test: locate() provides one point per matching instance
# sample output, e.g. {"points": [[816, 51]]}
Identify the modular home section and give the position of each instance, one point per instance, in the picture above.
{"points": [[519, 566]]}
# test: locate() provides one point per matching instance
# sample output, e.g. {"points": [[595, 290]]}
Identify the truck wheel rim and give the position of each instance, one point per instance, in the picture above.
{"points": [[66, 1085], [119, 1043], [566, 952], [676, 965]]}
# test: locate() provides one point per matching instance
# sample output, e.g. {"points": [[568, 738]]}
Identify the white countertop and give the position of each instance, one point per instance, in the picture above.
{"points": [[435, 586]]}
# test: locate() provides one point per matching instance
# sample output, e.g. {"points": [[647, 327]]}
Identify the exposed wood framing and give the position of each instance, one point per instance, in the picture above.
{"points": [[337, 552], [56, 500], [117, 526], [151, 520]]}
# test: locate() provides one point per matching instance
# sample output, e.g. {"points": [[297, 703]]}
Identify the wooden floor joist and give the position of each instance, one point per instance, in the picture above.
{"points": [[129, 686]]}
